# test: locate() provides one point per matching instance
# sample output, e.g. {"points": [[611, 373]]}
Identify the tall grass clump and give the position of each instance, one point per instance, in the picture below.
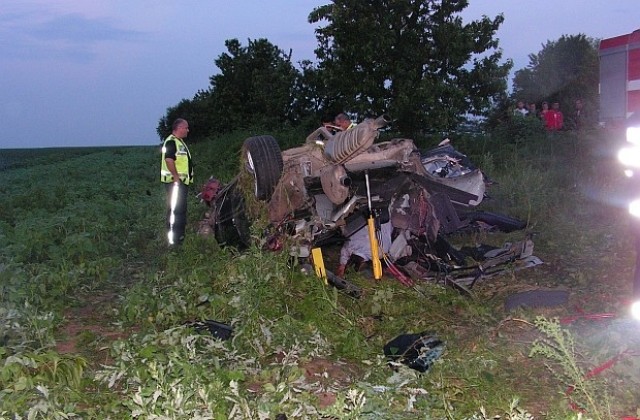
{"points": [[541, 176], [558, 346]]}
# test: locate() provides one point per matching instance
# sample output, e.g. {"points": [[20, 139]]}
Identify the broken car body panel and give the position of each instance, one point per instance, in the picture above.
{"points": [[316, 193]]}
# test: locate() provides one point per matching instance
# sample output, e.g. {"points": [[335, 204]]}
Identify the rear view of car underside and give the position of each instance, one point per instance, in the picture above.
{"points": [[325, 191]]}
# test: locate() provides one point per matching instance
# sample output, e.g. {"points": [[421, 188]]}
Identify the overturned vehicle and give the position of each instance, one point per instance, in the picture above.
{"points": [[330, 189]]}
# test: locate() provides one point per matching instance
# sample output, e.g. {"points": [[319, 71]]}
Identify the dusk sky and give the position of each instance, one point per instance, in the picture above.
{"points": [[102, 73]]}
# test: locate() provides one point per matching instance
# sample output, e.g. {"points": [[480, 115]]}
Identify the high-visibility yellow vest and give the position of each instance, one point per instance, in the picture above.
{"points": [[183, 156]]}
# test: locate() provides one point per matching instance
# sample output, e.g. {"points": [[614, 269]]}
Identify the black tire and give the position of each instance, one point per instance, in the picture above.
{"points": [[264, 163], [232, 225], [501, 221]]}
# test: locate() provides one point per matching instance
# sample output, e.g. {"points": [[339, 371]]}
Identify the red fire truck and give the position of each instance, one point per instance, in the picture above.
{"points": [[620, 107], [619, 78]]}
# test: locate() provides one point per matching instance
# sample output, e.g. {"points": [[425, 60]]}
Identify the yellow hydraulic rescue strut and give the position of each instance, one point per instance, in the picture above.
{"points": [[373, 240], [318, 264]]}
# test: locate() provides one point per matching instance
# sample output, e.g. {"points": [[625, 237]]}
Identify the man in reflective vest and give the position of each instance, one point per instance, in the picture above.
{"points": [[343, 121], [176, 174]]}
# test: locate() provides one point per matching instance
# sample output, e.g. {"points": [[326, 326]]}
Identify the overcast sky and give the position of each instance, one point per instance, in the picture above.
{"points": [[89, 72]]}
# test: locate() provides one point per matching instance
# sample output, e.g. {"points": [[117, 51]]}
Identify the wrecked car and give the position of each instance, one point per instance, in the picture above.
{"points": [[325, 190]]}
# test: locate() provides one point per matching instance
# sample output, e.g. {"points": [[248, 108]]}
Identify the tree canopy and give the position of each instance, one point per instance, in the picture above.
{"points": [[253, 89], [563, 71], [414, 59]]}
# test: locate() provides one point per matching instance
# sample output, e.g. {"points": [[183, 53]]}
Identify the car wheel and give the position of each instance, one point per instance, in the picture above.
{"points": [[232, 226], [264, 163]]}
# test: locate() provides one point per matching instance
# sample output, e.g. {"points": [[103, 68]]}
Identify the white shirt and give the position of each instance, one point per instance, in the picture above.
{"points": [[359, 244]]}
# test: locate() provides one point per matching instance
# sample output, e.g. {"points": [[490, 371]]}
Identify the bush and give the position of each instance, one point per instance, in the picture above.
{"points": [[516, 130]]}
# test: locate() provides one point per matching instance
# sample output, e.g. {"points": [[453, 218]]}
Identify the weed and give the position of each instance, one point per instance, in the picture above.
{"points": [[559, 347], [34, 379]]}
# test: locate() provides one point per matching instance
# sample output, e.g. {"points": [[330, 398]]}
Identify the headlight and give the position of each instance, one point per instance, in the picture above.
{"points": [[634, 208], [633, 135], [635, 310], [630, 156]]}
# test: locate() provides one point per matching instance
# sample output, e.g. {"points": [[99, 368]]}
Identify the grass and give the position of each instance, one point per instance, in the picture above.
{"points": [[82, 260]]}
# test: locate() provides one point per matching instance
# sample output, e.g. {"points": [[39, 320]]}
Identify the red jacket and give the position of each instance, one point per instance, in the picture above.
{"points": [[553, 120]]}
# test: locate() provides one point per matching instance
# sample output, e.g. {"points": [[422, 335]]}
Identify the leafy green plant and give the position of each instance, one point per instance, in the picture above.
{"points": [[516, 130], [35, 380], [559, 347], [514, 412]]}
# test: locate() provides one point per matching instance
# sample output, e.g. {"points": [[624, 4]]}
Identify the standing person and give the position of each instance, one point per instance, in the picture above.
{"points": [[543, 112], [553, 118], [329, 123], [176, 174], [558, 117], [520, 110], [343, 121], [578, 115], [533, 111]]}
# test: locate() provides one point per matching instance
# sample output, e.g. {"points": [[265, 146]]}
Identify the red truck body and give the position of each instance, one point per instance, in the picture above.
{"points": [[619, 78]]}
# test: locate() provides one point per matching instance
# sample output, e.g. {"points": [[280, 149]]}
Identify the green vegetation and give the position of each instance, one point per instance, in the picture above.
{"points": [[95, 312]]}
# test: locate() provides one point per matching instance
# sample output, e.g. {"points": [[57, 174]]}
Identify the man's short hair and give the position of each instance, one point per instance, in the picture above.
{"points": [[177, 123]]}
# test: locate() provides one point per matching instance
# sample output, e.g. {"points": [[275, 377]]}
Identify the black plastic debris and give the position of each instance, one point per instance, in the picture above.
{"points": [[536, 299], [418, 351], [216, 329], [339, 283]]}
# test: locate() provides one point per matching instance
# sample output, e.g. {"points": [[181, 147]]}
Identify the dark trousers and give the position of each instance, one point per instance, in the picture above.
{"points": [[176, 212]]}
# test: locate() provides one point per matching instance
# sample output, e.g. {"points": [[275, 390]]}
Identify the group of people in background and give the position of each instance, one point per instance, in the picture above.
{"points": [[552, 117]]}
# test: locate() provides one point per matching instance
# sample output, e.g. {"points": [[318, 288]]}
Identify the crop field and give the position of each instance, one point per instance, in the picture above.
{"points": [[23, 158], [98, 319]]}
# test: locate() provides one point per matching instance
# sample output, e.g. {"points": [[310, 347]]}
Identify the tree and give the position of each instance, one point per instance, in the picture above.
{"points": [[564, 70], [414, 59], [197, 111], [311, 98], [254, 87]]}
